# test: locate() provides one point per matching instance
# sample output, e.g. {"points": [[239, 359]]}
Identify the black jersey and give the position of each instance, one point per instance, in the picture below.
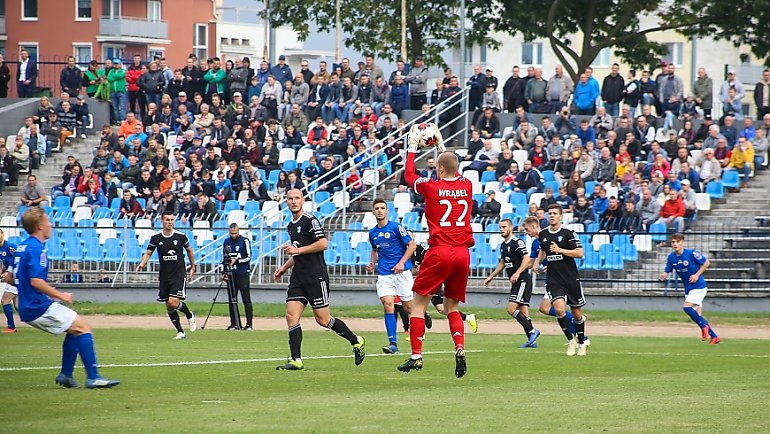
{"points": [[512, 253], [419, 254], [561, 268], [171, 251], [305, 231]]}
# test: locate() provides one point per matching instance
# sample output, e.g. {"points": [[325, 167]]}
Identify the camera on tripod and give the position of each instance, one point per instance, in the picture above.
{"points": [[229, 260]]}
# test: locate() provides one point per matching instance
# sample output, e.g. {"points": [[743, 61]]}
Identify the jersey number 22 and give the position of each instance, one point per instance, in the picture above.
{"points": [[460, 220]]}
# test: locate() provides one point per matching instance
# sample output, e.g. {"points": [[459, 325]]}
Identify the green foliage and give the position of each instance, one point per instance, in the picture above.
{"points": [[375, 27], [578, 30], [623, 385]]}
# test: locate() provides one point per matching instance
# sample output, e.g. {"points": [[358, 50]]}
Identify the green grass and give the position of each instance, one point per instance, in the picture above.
{"points": [[624, 385], [374, 311]]}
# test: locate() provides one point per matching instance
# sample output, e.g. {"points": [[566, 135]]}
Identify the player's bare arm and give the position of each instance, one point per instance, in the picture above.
{"points": [[316, 247], [143, 262], [280, 271], [410, 248], [495, 272], [43, 286], [694, 278], [372, 261], [191, 257], [572, 253], [538, 261], [526, 262]]}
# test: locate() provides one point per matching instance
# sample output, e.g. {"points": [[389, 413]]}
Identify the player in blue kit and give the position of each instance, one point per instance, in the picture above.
{"points": [[37, 308], [9, 292], [392, 249], [690, 265]]}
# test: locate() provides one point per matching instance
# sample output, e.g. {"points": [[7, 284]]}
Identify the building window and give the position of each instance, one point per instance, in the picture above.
{"points": [[468, 54], [675, 54], [29, 9], [83, 54], [153, 10], [200, 41], [532, 53], [483, 54], [83, 10], [246, 42], [113, 52], [602, 59], [31, 48], [111, 8], [152, 52]]}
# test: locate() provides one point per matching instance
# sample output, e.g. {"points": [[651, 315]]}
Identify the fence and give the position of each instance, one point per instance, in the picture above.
{"points": [[739, 251]]}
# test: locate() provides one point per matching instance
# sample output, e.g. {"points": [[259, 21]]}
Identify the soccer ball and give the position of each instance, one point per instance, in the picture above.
{"points": [[426, 135]]}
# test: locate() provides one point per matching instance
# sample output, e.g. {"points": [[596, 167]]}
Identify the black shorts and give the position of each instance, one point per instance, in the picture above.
{"points": [[521, 291], [172, 288], [571, 292], [315, 293], [438, 297]]}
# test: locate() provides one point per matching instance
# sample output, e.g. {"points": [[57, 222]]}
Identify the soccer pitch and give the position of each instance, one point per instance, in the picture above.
{"points": [[218, 381]]}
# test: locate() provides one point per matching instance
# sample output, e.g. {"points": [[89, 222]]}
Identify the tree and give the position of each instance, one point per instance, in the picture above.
{"points": [[375, 27], [578, 30]]}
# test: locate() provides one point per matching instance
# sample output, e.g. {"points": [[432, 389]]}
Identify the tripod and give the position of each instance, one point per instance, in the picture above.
{"points": [[232, 301]]}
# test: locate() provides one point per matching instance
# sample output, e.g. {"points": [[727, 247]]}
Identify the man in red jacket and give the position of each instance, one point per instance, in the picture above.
{"points": [[132, 75], [672, 212]]}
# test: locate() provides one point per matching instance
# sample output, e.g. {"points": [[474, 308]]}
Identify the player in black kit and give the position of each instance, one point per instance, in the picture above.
{"points": [[438, 298], [172, 278], [560, 246], [309, 282], [515, 259]]}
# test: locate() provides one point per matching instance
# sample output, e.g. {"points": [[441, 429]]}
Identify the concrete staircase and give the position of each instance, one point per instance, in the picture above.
{"points": [[737, 244], [49, 175]]}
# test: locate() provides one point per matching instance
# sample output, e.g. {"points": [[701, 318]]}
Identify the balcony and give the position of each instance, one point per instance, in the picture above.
{"points": [[128, 29]]}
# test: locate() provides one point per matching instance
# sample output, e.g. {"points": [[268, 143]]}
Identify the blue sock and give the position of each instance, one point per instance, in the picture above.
{"points": [[695, 316], [88, 355], [69, 355], [8, 309], [390, 327], [551, 311]]}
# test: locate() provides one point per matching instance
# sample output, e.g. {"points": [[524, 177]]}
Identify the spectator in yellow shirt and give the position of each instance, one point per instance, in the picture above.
{"points": [[742, 160]]}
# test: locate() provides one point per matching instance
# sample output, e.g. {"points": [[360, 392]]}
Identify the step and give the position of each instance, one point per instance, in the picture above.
{"points": [[763, 220], [741, 254], [747, 242], [755, 230], [720, 283], [730, 273]]}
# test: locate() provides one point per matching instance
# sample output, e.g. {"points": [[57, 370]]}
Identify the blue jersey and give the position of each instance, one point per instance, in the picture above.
{"points": [[7, 250], [31, 262], [535, 251], [390, 243], [687, 265]]}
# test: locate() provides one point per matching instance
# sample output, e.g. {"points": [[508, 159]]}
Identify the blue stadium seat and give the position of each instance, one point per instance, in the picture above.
{"points": [[102, 213], [272, 179], [348, 257], [61, 214], [231, 205], [410, 219], [629, 252], [591, 260], [55, 250], [553, 185], [20, 213], [518, 197], [715, 190], [605, 250], [658, 232], [115, 203], [548, 175], [614, 261], [364, 252], [391, 206], [321, 196], [480, 198], [589, 185], [341, 241], [488, 259], [134, 253], [142, 202], [492, 227], [330, 256], [585, 240], [289, 165], [593, 228], [620, 240], [251, 207], [488, 176], [730, 179], [113, 252], [62, 201], [356, 226], [327, 210]]}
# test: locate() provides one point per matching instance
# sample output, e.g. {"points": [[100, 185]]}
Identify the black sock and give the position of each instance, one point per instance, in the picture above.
{"points": [[463, 316], [249, 309], [295, 341], [184, 309], [580, 329], [564, 324], [174, 316], [401, 312], [524, 321], [342, 329]]}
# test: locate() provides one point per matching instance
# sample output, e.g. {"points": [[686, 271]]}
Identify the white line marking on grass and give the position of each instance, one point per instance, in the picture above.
{"points": [[214, 362], [638, 353], [214, 402]]}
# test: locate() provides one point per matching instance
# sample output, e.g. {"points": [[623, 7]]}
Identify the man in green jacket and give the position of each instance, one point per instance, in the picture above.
{"points": [[116, 77], [703, 90], [214, 78]]}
